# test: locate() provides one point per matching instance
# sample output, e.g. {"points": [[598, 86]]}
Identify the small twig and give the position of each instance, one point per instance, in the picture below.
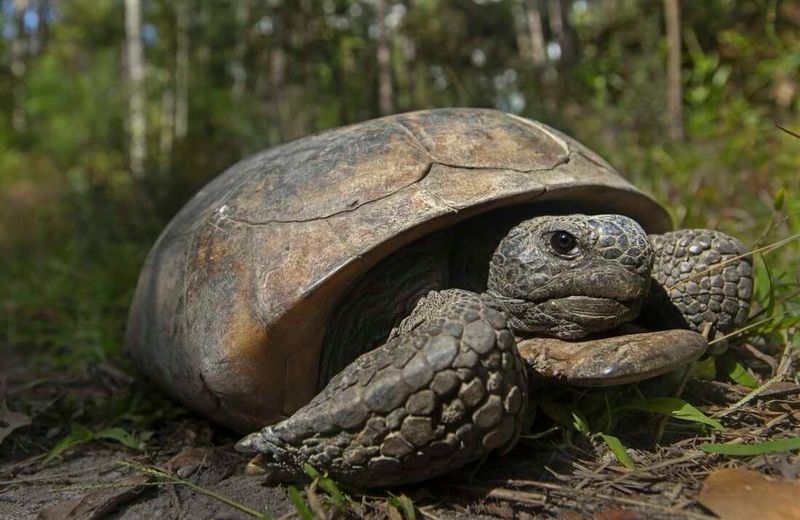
{"points": [[739, 331], [783, 368], [176, 500], [571, 491], [161, 474], [663, 464], [511, 495], [769, 360], [14, 467], [56, 478], [777, 394], [793, 134], [426, 514]]}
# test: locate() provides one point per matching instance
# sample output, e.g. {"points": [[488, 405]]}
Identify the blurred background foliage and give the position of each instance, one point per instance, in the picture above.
{"points": [[89, 175]]}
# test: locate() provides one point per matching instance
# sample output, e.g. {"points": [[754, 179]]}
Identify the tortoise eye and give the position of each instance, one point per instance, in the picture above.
{"points": [[562, 242]]}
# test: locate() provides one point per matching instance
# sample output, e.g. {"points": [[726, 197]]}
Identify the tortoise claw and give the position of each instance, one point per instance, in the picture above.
{"points": [[612, 360]]}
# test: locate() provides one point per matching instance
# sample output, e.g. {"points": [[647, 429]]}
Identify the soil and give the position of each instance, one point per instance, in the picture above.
{"points": [[561, 475]]}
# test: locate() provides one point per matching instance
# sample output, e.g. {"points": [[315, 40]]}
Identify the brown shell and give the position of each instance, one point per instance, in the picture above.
{"points": [[231, 305]]}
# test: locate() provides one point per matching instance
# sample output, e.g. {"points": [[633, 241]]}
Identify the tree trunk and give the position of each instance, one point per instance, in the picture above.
{"points": [[536, 30], [562, 31], [672, 12], [182, 23], [277, 73], [384, 58], [18, 65], [238, 67], [167, 138], [136, 94], [520, 14]]}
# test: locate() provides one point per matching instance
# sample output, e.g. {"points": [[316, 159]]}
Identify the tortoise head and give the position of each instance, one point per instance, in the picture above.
{"points": [[570, 276]]}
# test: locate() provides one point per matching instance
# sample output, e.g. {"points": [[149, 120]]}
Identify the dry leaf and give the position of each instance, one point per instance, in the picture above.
{"points": [[206, 466], [569, 514], [392, 513], [740, 494], [10, 421], [96, 504], [499, 509], [189, 461]]}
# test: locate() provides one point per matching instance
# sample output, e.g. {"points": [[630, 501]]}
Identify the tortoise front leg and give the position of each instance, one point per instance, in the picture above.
{"points": [[700, 277], [446, 390]]}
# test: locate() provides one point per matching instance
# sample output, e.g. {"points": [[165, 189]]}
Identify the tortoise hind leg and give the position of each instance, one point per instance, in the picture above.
{"points": [[433, 398], [700, 276]]}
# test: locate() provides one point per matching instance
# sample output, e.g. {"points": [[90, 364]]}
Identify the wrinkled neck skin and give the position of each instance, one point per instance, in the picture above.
{"points": [[571, 276]]}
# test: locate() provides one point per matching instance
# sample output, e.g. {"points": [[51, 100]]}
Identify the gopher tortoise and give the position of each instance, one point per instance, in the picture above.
{"points": [[385, 295]]}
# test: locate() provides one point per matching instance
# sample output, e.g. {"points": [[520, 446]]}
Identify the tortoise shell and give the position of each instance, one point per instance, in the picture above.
{"points": [[231, 305]]}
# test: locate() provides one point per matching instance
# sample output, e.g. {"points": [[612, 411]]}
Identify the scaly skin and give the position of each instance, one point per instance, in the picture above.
{"points": [[449, 386], [433, 399], [701, 276]]}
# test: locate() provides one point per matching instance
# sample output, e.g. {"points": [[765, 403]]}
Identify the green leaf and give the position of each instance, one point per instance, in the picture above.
{"points": [[334, 492], [78, 435], [618, 449], [579, 422], [328, 485], [769, 308], [780, 198], [674, 407], [777, 446], [121, 436], [704, 369], [736, 372], [310, 471], [404, 504], [300, 504]]}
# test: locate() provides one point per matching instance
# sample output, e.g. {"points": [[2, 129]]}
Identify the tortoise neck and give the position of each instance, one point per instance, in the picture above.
{"points": [[385, 295]]}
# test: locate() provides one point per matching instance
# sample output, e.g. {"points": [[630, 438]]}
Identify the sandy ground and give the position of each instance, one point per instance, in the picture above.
{"points": [[558, 476]]}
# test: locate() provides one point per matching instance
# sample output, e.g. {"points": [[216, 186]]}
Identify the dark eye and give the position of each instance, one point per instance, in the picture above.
{"points": [[562, 242]]}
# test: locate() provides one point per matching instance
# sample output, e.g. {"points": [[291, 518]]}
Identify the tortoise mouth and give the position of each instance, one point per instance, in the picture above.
{"points": [[570, 317], [597, 313]]}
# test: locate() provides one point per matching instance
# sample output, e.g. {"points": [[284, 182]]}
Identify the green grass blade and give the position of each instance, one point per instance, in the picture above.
{"points": [[739, 374], [539, 435], [328, 485], [777, 446], [565, 416], [311, 471], [334, 492], [121, 436], [780, 198], [618, 449], [404, 504], [300, 504], [736, 372], [770, 309], [674, 407], [579, 422], [78, 435]]}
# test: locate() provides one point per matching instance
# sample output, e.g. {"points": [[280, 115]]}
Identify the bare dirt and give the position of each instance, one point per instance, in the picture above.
{"points": [[562, 475]]}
